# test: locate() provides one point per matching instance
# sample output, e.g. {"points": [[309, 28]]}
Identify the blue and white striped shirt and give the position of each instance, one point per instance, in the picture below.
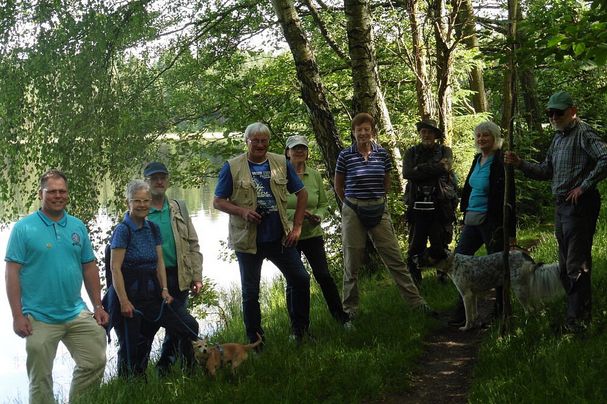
{"points": [[364, 179]]}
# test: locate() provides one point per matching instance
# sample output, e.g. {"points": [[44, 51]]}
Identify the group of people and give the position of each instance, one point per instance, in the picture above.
{"points": [[155, 264], [276, 203]]}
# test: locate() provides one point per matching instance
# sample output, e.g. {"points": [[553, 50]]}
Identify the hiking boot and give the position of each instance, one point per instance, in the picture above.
{"points": [[349, 326], [574, 327], [428, 311]]}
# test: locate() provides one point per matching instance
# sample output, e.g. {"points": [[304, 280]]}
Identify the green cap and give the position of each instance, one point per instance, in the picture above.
{"points": [[560, 100]]}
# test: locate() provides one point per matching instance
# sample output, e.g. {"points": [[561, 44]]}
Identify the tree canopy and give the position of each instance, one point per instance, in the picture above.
{"points": [[99, 87]]}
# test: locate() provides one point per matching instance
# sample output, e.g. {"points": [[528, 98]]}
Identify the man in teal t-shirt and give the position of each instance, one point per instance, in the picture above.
{"points": [[48, 257]]}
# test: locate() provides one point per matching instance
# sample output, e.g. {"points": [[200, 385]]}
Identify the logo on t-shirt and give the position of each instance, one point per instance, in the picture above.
{"points": [[76, 239], [265, 198]]}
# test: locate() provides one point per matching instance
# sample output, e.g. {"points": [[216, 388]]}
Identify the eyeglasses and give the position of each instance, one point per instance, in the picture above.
{"points": [[157, 177], [258, 141], [54, 192], [555, 112], [140, 201], [299, 147]]}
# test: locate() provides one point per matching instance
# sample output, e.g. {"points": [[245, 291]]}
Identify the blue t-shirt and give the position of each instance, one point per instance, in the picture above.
{"points": [[479, 182], [51, 255], [364, 179], [140, 244], [270, 228]]}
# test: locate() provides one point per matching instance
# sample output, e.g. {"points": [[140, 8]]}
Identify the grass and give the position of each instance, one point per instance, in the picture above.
{"points": [[537, 363], [340, 366], [534, 364]]}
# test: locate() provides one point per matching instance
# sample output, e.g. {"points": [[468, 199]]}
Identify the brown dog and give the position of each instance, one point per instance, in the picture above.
{"points": [[219, 355]]}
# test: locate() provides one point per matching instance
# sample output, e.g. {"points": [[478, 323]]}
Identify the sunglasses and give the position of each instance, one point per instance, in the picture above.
{"points": [[555, 112]]}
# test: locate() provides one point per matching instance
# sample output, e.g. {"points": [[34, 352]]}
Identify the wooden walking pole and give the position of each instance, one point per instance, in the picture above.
{"points": [[506, 323]]}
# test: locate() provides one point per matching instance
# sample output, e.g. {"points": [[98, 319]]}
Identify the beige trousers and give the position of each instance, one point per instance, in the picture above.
{"points": [[86, 342], [354, 237]]}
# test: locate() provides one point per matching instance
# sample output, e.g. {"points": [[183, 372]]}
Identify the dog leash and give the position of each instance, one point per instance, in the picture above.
{"points": [[137, 311]]}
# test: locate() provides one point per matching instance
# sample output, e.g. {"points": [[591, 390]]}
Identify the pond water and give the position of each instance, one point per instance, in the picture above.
{"points": [[211, 226]]}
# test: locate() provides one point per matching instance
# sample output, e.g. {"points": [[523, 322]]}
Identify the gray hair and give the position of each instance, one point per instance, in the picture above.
{"points": [[492, 129], [256, 128], [135, 186]]}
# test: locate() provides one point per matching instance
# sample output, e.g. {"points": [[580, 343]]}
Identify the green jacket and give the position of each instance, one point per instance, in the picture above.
{"points": [[243, 234], [317, 203]]}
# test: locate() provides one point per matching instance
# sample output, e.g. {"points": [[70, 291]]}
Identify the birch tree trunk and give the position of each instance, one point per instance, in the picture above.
{"points": [[466, 25], [312, 89], [368, 96], [444, 67], [528, 86], [419, 64]]}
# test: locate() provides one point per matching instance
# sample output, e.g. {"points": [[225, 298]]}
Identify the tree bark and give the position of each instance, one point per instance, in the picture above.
{"points": [[466, 27], [419, 64], [528, 86], [368, 96], [513, 14], [444, 67], [312, 89]]}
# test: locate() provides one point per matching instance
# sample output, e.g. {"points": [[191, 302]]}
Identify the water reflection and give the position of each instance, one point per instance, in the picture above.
{"points": [[212, 228]]}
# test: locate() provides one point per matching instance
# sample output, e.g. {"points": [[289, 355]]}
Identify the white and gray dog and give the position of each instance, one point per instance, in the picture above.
{"points": [[533, 284]]}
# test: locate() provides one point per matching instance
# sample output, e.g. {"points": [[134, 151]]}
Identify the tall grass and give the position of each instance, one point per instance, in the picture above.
{"points": [[340, 366], [535, 364], [539, 364]]}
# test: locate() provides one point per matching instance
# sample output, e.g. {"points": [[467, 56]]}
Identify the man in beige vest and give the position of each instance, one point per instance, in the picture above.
{"points": [[252, 188]]}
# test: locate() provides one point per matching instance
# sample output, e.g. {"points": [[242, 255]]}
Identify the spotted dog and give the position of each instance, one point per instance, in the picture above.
{"points": [[531, 283]]}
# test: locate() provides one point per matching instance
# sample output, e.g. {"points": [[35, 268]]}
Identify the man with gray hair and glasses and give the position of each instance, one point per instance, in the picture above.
{"points": [[252, 188], [575, 162]]}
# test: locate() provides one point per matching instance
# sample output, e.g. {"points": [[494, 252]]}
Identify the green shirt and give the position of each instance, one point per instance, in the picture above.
{"points": [[317, 203], [162, 217]]}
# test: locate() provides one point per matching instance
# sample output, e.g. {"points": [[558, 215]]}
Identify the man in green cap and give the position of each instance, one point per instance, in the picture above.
{"points": [[575, 162]]}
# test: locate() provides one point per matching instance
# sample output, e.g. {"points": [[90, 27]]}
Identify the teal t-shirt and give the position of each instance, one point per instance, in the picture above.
{"points": [[479, 182], [51, 255], [162, 218]]}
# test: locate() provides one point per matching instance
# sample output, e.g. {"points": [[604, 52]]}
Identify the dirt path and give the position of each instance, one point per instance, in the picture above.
{"points": [[444, 371]]}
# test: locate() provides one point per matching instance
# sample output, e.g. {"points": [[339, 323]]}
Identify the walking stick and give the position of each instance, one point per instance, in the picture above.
{"points": [[506, 323]]}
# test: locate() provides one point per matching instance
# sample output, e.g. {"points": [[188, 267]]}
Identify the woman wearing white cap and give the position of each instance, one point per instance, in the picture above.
{"points": [[311, 241]]}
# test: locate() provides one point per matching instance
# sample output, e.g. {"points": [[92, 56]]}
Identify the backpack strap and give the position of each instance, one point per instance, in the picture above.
{"points": [[182, 208]]}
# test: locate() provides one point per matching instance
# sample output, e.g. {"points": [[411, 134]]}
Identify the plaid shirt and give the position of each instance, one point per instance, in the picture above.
{"points": [[577, 157]]}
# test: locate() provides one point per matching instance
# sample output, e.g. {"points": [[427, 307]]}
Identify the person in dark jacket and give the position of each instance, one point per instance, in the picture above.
{"points": [[482, 203], [430, 196]]}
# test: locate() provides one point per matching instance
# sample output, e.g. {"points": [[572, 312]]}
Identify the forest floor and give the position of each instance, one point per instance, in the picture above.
{"points": [[444, 371]]}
